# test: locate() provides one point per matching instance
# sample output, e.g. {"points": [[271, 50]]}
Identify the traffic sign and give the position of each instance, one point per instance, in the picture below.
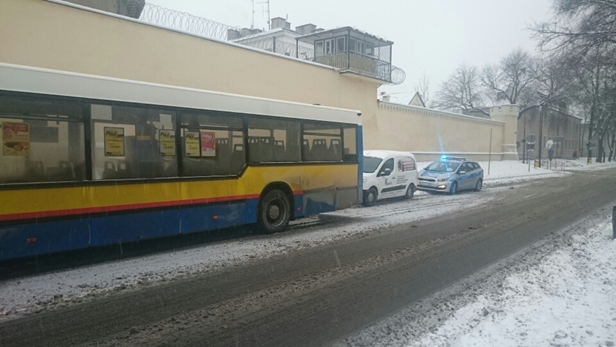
{"points": [[530, 139]]}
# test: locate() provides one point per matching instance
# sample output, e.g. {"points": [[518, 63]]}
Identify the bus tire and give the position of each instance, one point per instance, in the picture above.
{"points": [[274, 211], [370, 197]]}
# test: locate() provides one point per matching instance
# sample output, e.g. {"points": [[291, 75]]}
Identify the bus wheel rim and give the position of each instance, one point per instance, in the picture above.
{"points": [[273, 212]]}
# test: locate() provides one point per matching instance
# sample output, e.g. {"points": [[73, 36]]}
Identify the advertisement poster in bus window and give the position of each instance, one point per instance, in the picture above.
{"points": [[208, 144], [15, 139], [114, 142], [166, 138], [191, 143]]}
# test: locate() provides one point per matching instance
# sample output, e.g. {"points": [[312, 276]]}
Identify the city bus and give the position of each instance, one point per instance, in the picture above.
{"points": [[88, 161]]}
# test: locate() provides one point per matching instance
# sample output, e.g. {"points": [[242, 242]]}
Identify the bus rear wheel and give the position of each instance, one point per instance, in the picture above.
{"points": [[274, 211]]}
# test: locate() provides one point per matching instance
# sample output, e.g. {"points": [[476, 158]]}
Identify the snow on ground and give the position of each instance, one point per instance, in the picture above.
{"points": [[41, 292], [568, 299], [559, 292]]}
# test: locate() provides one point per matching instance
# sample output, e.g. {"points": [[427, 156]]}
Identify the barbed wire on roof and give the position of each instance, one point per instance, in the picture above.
{"points": [[184, 21], [187, 22]]}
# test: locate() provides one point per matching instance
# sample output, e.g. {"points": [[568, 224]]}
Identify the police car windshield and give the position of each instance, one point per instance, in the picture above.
{"points": [[371, 164], [443, 166]]}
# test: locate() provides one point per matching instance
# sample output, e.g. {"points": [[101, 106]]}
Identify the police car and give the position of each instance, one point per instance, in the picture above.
{"points": [[451, 175]]}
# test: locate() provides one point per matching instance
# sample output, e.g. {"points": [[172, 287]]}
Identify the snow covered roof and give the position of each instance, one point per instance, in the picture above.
{"points": [[329, 33]]}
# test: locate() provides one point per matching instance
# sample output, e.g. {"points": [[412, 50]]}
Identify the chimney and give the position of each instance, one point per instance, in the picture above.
{"points": [[305, 29], [280, 22], [233, 34], [245, 32]]}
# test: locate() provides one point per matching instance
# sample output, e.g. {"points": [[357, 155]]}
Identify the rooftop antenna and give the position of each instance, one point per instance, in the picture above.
{"points": [[269, 23], [252, 26]]}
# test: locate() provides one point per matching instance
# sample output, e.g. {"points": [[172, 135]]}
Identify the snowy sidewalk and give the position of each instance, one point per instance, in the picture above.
{"points": [[509, 171], [560, 292], [568, 299]]}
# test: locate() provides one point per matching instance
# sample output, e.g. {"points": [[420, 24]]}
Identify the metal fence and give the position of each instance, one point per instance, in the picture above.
{"points": [[271, 44]]}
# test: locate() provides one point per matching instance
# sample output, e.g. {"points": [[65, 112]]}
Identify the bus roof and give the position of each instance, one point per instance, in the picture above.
{"points": [[19, 78]]}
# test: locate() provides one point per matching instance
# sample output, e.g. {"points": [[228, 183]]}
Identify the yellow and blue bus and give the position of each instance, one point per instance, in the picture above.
{"points": [[89, 161]]}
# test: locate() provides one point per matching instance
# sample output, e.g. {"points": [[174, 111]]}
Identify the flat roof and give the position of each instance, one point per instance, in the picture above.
{"points": [[328, 33]]}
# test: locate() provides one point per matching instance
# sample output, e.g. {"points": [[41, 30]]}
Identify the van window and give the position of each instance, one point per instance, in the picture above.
{"points": [[371, 163], [406, 164], [389, 164]]}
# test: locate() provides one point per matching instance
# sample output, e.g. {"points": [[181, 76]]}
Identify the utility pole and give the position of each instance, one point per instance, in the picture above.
{"points": [[524, 142], [252, 26], [541, 110], [269, 19]]}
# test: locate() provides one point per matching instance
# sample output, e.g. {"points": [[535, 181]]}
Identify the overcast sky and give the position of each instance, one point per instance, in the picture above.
{"points": [[430, 36]]}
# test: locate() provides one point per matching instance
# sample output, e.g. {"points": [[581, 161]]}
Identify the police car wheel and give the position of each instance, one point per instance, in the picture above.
{"points": [[454, 188], [479, 185]]}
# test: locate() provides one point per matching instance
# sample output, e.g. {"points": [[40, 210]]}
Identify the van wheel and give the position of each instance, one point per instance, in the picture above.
{"points": [[410, 192], [454, 188], [370, 197], [274, 211]]}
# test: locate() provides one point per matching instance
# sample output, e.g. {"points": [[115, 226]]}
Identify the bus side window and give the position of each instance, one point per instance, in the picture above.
{"points": [[273, 140], [41, 140], [350, 144], [132, 142], [212, 145], [325, 141]]}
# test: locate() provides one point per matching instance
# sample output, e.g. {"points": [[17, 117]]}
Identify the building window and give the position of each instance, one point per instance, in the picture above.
{"points": [[369, 49], [329, 47], [340, 44], [42, 140], [360, 47], [318, 49], [352, 42]]}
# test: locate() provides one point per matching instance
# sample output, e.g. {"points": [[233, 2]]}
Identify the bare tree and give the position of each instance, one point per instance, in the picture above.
{"points": [[585, 32], [423, 88], [513, 80], [554, 85], [579, 26], [462, 91]]}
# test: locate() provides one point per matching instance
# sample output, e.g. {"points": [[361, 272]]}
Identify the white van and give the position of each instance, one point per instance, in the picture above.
{"points": [[388, 174]]}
